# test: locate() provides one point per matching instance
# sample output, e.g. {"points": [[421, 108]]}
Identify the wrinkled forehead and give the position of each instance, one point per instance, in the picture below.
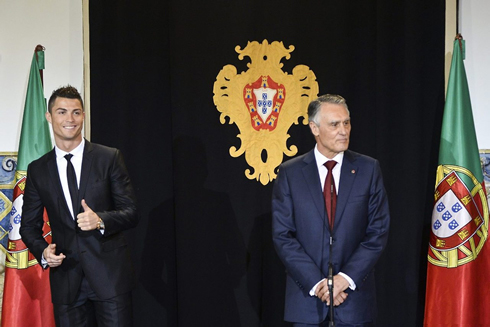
{"points": [[334, 110]]}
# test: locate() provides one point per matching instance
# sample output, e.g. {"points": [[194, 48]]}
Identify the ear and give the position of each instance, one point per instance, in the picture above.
{"points": [[48, 116], [314, 128]]}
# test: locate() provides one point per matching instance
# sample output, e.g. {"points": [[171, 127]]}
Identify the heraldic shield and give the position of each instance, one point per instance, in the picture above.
{"points": [[459, 218], [18, 255], [264, 102]]}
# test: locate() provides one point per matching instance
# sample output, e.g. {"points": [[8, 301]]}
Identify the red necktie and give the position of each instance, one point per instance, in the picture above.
{"points": [[330, 193]]}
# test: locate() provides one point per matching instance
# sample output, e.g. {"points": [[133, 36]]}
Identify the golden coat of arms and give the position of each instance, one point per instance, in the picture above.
{"points": [[264, 102]]}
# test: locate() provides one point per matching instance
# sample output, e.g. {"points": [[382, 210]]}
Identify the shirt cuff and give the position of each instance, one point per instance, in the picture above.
{"points": [[352, 285], [44, 263], [312, 291]]}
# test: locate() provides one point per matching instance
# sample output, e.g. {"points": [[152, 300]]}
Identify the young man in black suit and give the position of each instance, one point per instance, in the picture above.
{"points": [[88, 196]]}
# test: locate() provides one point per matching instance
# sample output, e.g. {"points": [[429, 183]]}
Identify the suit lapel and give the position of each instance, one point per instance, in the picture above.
{"points": [[310, 173], [347, 178], [86, 167]]}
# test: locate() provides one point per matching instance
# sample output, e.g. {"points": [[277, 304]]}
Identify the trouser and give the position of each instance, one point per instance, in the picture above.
{"points": [[88, 310]]}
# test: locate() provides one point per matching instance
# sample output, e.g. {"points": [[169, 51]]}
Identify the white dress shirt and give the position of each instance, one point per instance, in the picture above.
{"points": [[76, 161], [322, 170]]}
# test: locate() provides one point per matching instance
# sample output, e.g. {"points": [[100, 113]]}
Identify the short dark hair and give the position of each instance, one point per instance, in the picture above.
{"points": [[68, 92], [314, 106]]}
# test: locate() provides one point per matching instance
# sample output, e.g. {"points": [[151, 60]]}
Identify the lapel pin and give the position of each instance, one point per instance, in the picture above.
{"points": [[353, 171]]}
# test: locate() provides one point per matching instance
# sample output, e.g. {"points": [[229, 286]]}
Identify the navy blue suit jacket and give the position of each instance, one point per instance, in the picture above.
{"points": [[301, 233], [103, 258]]}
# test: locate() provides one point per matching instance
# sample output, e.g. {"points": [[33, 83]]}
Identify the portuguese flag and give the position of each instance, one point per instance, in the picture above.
{"points": [[27, 295], [458, 292]]}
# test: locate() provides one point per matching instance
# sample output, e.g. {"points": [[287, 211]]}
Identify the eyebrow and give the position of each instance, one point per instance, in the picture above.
{"points": [[67, 109], [339, 121]]}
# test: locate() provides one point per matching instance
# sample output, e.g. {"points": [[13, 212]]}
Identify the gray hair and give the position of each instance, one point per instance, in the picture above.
{"points": [[314, 106]]}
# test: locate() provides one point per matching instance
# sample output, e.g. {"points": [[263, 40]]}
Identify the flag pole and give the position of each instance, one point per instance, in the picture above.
{"points": [[457, 17]]}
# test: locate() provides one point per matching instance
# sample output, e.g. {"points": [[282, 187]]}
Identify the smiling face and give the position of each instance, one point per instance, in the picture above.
{"points": [[333, 131], [66, 117]]}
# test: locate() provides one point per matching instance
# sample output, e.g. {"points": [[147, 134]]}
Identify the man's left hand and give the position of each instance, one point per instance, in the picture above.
{"points": [[87, 220]]}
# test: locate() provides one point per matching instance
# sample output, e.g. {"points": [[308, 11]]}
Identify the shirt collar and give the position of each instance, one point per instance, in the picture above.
{"points": [[77, 152], [321, 159]]}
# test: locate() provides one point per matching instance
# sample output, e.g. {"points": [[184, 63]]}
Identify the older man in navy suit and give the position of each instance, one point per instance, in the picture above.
{"points": [[329, 207], [86, 191]]}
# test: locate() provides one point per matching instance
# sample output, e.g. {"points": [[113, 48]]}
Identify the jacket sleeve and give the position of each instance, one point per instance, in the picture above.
{"points": [[124, 215], [31, 227], [368, 251], [299, 265]]}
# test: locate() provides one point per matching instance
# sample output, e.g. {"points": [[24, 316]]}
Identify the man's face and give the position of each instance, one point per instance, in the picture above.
{"points": [[66, 117], [332, 134]]}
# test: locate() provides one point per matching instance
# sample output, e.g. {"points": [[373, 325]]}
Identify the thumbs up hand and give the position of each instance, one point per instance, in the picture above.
{"points": [[87, 220]]}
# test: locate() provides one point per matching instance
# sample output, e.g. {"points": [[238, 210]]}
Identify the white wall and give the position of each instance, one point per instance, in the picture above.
{"points": [[55, 24], [474, 25]]}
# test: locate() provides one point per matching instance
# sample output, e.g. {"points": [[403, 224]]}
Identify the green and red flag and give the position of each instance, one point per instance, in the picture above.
{"points": [[459, 256], [27, 295]]}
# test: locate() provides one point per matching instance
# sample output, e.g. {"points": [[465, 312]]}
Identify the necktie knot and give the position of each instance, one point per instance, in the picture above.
{"points": [[68, 156], [330, 164]]}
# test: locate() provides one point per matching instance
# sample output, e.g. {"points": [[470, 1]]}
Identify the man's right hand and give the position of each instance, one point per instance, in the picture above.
{"points": [[50, 256]]}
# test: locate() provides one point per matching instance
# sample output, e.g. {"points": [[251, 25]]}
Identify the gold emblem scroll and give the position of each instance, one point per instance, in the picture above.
{"points": [[264, 148]]}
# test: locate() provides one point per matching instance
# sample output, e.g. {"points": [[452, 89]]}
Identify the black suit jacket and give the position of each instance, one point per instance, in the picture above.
{"points": [[103, 258]]}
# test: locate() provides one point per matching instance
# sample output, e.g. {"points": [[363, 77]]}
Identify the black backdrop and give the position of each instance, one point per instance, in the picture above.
{"points": [[203, 248]]}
